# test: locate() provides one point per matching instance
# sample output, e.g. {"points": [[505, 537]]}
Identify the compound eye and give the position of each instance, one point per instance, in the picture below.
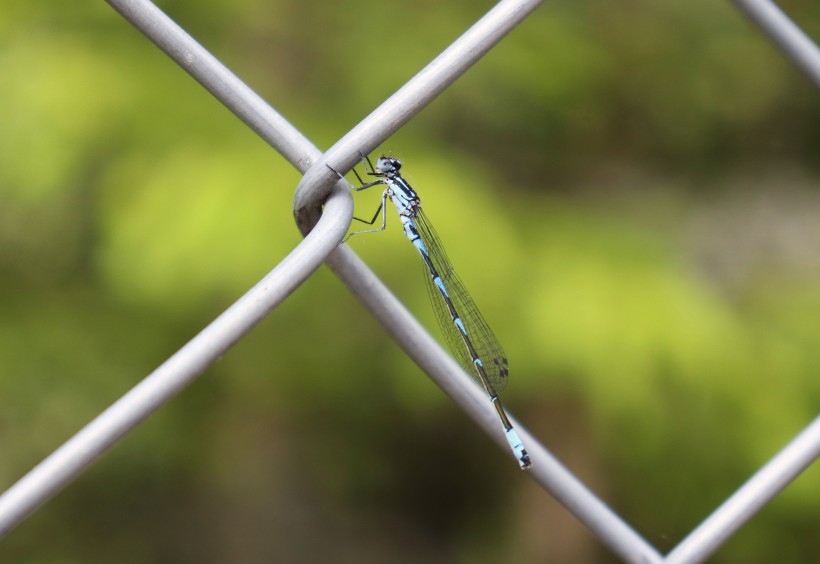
{"points": [[384, 164]]}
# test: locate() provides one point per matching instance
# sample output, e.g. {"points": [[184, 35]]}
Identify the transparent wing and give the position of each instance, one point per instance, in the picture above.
{"points": [[478, 331]]}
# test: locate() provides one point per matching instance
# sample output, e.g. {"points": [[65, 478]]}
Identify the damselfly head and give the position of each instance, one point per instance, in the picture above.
{"points": [[387, 164]]}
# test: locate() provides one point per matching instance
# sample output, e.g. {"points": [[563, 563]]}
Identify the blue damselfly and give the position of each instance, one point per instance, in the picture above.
{"points": [[468, 336]]}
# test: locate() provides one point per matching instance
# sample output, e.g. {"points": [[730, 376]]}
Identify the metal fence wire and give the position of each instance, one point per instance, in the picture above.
{"points": [[323, 211]]}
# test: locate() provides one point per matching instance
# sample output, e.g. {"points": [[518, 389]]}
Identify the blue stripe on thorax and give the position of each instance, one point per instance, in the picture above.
{"points": [[403, 196]]}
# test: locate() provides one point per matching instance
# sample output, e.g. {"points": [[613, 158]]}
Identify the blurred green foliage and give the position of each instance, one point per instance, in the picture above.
{"points": [[629, 191]]}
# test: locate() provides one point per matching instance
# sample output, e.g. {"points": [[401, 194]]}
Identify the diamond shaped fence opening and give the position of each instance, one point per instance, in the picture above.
{"points": [[323, 209]]}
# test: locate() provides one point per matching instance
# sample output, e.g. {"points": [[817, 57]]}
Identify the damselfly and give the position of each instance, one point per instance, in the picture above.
{"points": [[469, 337]]}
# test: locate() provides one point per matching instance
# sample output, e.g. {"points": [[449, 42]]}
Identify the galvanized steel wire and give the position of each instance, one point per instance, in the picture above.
{"points": [[323, 211]]}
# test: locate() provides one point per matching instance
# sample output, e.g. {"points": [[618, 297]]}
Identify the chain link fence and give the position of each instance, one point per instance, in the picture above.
{"points": [[323, 210]]}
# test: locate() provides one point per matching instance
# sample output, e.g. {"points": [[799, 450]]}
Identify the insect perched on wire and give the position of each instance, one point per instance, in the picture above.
{"points": [[469, 337]]}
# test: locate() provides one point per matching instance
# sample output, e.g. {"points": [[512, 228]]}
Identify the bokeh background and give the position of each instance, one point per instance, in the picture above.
{"points": [[629, 190]]}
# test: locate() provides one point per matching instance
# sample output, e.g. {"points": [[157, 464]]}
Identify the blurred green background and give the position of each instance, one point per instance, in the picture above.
{"points": [[629, 190]]}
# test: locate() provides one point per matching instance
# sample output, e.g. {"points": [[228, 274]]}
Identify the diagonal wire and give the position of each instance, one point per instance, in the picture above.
{"points": [[56, 471], [767, 482], [401, 325], [410, 99], [220, 81], [39, 485], [451, 378], [180, 370], [786, 34], [308, 201]]}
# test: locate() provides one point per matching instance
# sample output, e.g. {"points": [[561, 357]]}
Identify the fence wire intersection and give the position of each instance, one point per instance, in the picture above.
{"points": [[323, 211]]}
